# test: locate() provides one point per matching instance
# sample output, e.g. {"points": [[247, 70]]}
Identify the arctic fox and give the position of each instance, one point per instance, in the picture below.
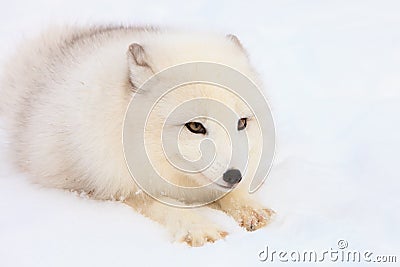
{"points": [[64, 99]]}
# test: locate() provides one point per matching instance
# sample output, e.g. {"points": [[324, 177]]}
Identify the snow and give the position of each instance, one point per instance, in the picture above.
{"points": [[331, 71]]}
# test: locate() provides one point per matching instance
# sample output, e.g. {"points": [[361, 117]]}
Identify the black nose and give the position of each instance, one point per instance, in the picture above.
{"points": [[232, 176]]}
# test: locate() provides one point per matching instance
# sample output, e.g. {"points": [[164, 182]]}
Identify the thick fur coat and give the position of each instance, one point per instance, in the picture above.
{"points": [[64, 96]]}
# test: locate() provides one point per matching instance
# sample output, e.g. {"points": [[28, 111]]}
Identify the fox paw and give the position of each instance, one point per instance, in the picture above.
{"points": [[198, 235], [253, 219]]}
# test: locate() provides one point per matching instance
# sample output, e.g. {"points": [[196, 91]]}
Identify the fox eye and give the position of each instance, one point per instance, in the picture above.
{"points": [[242, 123], [196, 127]]}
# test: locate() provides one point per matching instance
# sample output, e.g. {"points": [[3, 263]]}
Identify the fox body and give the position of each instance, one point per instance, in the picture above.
{"points": [[64, 99]]}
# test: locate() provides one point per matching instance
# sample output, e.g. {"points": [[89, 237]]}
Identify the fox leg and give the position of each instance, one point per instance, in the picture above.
{"points": [[184, 224], [247, 212]]}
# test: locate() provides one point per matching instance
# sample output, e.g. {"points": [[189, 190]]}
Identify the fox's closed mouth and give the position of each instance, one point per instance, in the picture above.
{"points": [[224, 186]]}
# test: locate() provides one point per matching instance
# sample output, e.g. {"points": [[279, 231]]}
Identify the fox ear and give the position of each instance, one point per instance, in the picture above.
{"points": [[235, 40], [139, 67], [138, 55]]}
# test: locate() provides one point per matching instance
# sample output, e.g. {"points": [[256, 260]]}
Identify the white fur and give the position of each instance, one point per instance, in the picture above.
{"points": [[64, 97]]}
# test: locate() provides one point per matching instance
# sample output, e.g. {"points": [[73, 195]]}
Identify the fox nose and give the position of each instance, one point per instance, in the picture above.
{"points": [[232, 176]]}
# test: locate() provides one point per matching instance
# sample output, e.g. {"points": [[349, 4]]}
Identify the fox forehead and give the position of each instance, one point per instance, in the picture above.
{"points": [[199, 110]]}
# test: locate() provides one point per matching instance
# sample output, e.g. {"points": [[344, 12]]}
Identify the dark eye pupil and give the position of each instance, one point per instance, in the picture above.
{"points": [[242, 123]]}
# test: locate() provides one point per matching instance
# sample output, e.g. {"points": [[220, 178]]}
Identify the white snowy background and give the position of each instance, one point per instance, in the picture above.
{"points": [[332, 76]]}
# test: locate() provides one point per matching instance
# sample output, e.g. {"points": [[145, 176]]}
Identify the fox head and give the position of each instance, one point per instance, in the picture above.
{"points": [[199, 133]]}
